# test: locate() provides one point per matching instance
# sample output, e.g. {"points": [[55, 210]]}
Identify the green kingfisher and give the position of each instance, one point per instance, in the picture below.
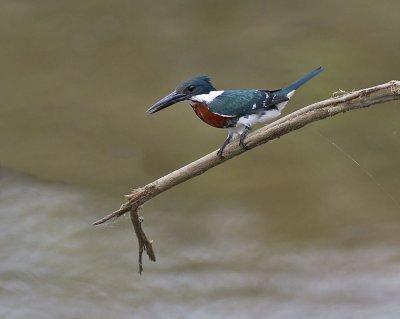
{"points": [[236, 110]]}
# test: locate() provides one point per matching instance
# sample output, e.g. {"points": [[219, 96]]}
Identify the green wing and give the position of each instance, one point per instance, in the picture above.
{"points": [[240, 102]]}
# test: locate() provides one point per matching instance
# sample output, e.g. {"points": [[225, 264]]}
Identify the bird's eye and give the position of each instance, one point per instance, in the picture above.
{"points": [[190, 88]]}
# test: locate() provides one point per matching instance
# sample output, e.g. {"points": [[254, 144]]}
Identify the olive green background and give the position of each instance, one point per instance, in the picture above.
{"points": [[306, 226]]}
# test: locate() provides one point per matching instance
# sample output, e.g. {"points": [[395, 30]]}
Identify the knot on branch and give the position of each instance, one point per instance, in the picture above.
{"points": [[395, 87], [339, 93], [363, 95], [142, 194]]}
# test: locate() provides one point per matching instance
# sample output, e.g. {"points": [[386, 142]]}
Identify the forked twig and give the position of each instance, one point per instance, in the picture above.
{"points": [[144, 243]]}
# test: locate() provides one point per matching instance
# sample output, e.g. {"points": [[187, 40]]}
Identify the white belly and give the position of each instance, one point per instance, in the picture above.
{"points": [[251, 119]]}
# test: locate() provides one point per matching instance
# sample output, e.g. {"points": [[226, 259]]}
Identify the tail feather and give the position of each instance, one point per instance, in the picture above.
{"points": [[295, 85]]}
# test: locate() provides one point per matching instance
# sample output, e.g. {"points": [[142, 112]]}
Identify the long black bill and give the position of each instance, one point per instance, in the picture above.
{"points": [[169, 100]]}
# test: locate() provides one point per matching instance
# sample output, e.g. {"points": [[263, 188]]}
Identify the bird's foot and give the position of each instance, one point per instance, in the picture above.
{"points": [[221, 149], [243, 136], [243, 145], [220, 155]]}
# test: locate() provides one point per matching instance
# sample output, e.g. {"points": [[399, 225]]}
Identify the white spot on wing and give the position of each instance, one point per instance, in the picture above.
{"points": [[206, 98], [254, 106], [282, 105], [290, 94]]}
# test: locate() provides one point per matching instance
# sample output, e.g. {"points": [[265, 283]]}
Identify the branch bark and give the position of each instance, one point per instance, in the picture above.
{"points": [[314, 112]]}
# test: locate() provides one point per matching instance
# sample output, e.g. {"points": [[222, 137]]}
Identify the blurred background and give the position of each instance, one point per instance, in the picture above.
{"points": [[306, 226]]}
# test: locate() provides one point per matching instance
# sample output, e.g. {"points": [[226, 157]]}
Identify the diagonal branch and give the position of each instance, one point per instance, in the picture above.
{"points": [[314, 112]]}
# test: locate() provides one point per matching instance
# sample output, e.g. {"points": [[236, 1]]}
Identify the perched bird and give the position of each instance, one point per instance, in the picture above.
{"points": [[236, 110]]}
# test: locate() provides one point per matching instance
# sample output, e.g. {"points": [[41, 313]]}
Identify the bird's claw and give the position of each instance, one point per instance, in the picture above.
{"points": [[220, 155], [242, 144], [242, 138]]}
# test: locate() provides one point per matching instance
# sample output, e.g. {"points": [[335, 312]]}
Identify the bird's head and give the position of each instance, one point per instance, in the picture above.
{"points": [[184, 91]]}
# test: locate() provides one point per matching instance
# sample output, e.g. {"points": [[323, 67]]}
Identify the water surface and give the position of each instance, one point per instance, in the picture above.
{"points": [[306, 226]]}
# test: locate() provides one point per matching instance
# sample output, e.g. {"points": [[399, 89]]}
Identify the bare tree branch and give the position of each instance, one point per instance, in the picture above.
{"points": [[314, 112]]}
